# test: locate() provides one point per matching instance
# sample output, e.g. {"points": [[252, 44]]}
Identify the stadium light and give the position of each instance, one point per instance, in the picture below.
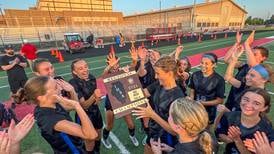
{"points": [[3, 16]]}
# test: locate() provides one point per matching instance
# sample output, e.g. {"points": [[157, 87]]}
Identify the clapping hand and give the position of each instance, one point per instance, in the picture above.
{"points": [[234, 133], [19, 131]]}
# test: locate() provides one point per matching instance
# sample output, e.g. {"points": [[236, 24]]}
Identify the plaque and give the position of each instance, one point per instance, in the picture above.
{"points": [[124, 91]]}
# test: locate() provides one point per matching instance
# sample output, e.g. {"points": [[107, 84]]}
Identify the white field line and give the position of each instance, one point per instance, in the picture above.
{"points": [[117, 142]]}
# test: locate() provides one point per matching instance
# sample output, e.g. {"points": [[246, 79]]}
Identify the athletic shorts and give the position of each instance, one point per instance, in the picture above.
{"points": [[15, 85], [94, 115]]}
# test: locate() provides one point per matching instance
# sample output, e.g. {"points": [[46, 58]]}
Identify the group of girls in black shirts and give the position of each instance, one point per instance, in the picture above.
{"points": [[174, 122]]}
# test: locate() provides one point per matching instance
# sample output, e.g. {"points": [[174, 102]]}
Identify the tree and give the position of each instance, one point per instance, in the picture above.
{"points": [[254, 21]]}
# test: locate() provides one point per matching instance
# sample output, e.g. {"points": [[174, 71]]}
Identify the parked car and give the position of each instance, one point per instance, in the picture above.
{"points": [[73, 42]]}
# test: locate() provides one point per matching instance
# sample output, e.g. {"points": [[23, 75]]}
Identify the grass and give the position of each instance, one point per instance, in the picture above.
{"points": [[35, 143]]}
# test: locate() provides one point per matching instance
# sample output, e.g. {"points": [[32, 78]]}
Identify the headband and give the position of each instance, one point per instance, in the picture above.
{"points": [[209, 57], [262, 71]]}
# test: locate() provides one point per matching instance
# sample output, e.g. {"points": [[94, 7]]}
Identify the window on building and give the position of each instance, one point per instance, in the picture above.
{"points": [[203, 24], [199, 24], [208, 24]]}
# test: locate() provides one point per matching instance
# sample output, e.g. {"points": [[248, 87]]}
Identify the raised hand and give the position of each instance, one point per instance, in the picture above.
{"points": [[112, 60], [142, 53], [19, 131], [238, 52], [239, 37], [250, 39], [133, 53]]}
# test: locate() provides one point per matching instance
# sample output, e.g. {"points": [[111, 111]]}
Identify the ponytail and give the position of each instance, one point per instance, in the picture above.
{"points": [[205, 142], [20, 96]]}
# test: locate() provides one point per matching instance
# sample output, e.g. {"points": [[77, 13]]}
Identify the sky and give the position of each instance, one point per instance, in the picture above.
{"points": [[255, 8]]}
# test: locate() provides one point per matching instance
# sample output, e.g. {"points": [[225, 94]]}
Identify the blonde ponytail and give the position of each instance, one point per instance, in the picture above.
{"points": [[205, 142]]}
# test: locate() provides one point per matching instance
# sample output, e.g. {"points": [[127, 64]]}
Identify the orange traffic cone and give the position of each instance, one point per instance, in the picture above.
{"points": [[61, 58], [56, 54], [52, 52], [112, 49]]}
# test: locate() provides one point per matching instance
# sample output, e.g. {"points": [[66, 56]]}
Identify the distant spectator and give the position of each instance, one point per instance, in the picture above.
{"points": [[29, 50], [14, 65]]}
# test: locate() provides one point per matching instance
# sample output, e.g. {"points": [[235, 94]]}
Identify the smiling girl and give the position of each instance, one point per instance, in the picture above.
{"points": [[237, 126]]}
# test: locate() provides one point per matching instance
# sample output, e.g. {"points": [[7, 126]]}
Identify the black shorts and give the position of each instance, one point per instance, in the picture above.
{"points": [[165, 138], [94, 115], [15, 85], [211, 110], [108, 104]]}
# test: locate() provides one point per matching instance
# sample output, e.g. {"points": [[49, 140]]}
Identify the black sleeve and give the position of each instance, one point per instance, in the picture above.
{"points": [[76, 88], [220, 88], [3, 61], [152, 87], [22, 59], [191, 82], [271, 136], [49, 120], [222, 127]]}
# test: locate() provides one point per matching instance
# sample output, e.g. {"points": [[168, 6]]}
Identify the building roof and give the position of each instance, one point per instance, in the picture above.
{"points": [[185, 7]]}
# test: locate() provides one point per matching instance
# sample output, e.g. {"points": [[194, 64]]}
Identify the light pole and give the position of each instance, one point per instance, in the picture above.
{"points": [[160, 5], [50, 15], [193, 15], [3, 16]]}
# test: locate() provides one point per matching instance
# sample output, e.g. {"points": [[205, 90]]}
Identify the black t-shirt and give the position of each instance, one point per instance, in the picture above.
{"points": [[161, 100], [234, 118], [46, 119], [17, 71], [188, 148], [207, 89], [242, 71], [85, 89], [149, 78]]}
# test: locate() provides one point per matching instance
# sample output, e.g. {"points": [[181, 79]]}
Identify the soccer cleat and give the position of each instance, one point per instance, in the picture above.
{"points": [[106, 143], [144, 141], [134, 140]]}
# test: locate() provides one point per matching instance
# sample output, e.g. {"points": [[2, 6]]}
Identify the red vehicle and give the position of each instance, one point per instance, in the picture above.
{"points": [[168, 33], [73, 42]]}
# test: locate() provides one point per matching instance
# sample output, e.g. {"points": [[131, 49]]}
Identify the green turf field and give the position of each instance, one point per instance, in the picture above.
{"points": [[35, 143]]}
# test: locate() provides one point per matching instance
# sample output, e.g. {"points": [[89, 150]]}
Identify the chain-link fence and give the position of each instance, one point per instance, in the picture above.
{"points": [[46, 37]]}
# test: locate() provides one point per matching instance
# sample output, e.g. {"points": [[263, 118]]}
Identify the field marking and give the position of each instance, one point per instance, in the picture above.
{"points": [[116, 141]]}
